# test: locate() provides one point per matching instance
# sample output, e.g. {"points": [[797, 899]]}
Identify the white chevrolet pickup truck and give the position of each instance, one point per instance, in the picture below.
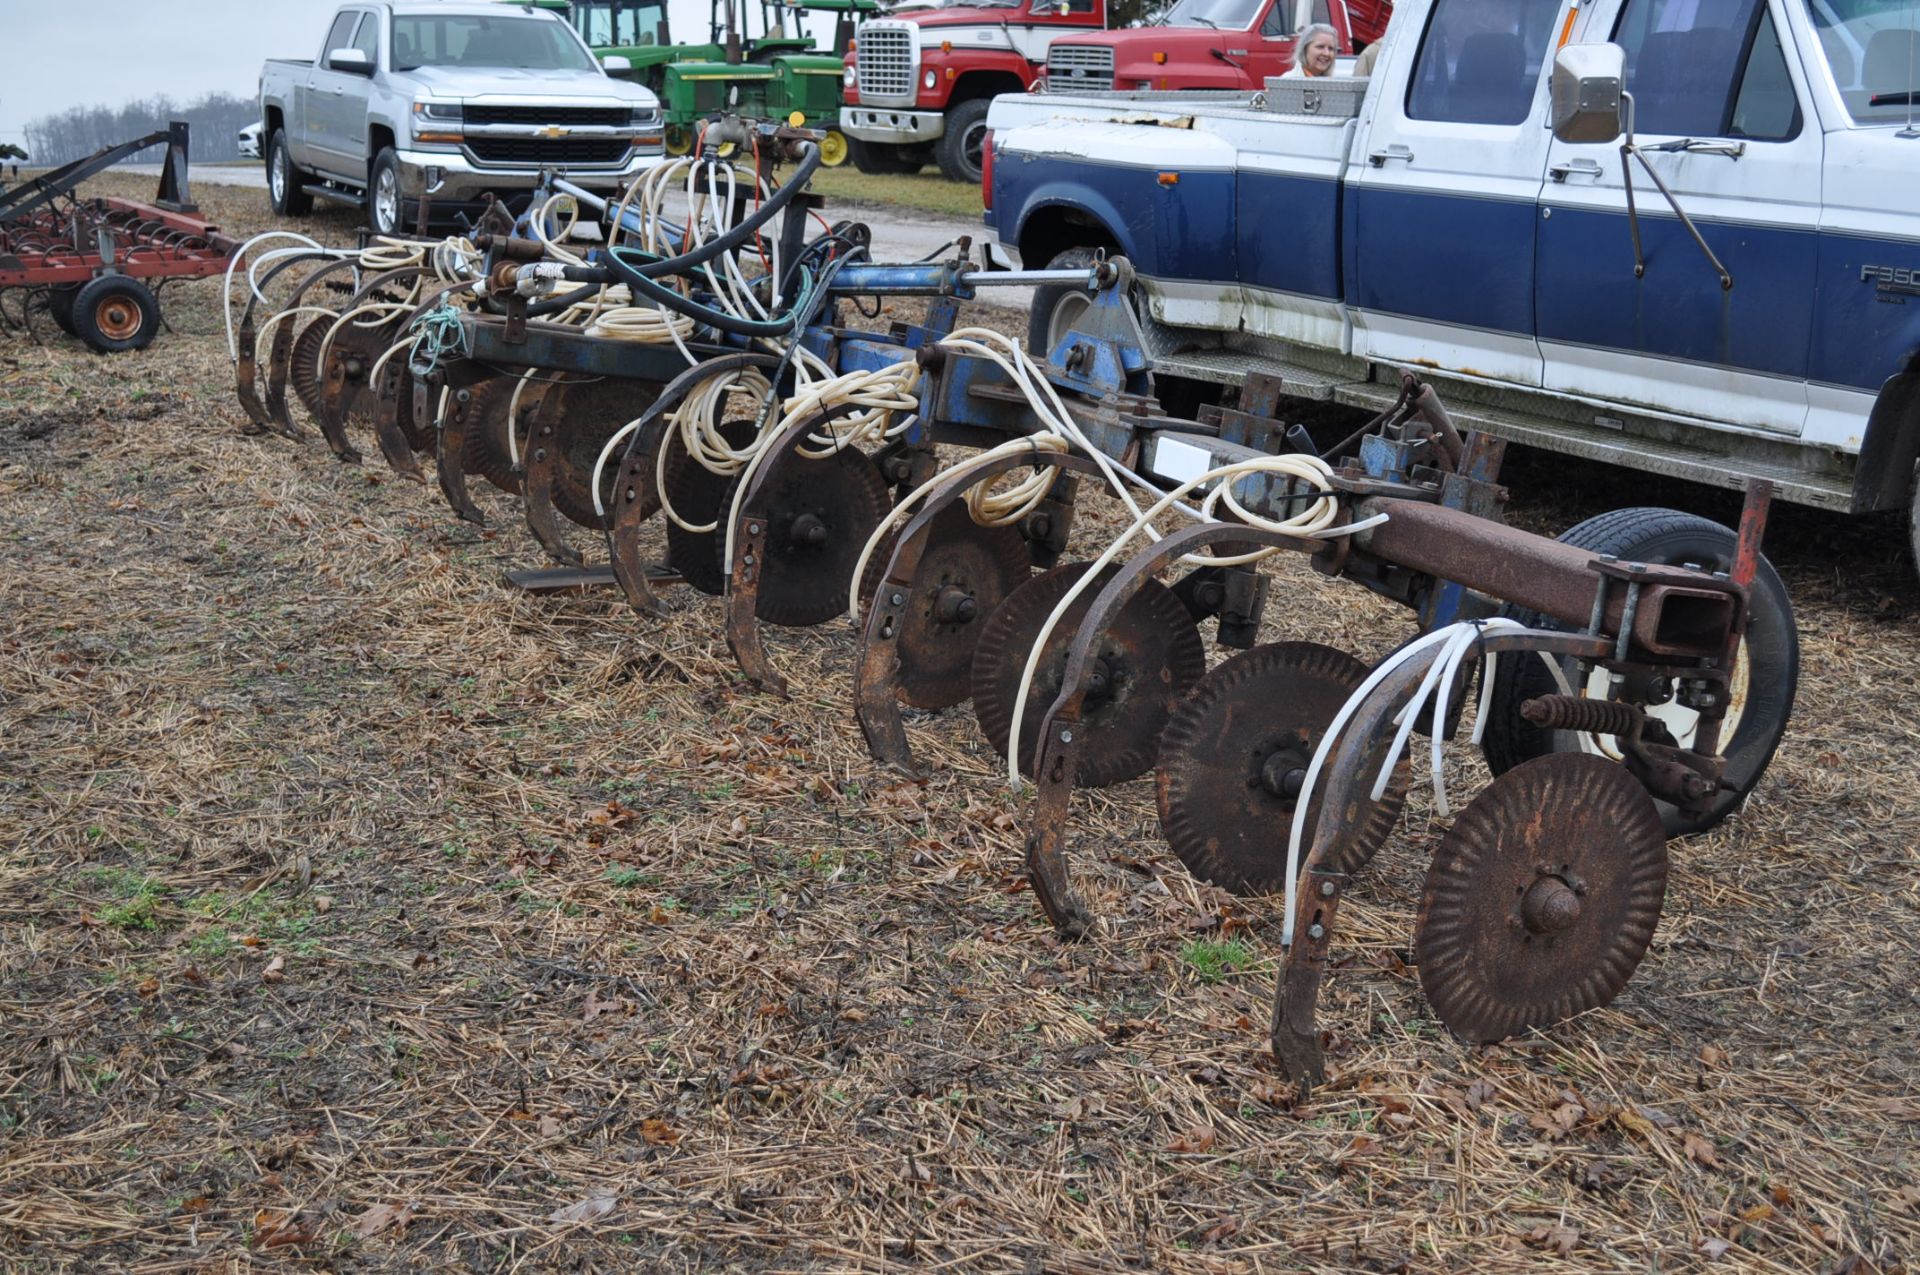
{"points": [[450, 100], [1676, 235]]}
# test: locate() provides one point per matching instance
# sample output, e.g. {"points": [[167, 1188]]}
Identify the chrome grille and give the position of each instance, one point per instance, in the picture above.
{"points": [[883, 62], [1079, 68]]}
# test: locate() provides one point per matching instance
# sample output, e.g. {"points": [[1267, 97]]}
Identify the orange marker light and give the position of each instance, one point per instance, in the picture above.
{"points": [[1566, 28], [1159, 59], [946, 46], [1169, 179]]}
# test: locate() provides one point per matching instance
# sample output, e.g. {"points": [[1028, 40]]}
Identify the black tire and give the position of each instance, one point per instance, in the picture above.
{"points": [[1772, 649], [286, 185], [60, 305], [960, 146], [386, 208], [114, 313], [880, 159], [1056, 305]]}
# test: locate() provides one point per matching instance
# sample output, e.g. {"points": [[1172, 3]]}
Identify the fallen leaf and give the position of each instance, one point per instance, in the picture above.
{"points": [[1782, 1197], [1559, 1122], [1713, 1247], [1080, 1107], [1224, 1230], [1906, 1199], [659, 1133], [594, 1006], [1560, 1238], [275, 1228], [1700, 1149], [195, 1204], [1479, 1094], [1757, 1213], [1194, 1141], [149, 988], [382, 1217], [1714, 1056], [275, 971], [853, 1015], [550, 1127], [322, 903], [1274, 1093], [587, 1210], [1362, 1145]]}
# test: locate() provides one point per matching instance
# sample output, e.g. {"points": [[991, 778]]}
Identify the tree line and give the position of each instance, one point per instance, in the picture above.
{"points": [[216, 120]]}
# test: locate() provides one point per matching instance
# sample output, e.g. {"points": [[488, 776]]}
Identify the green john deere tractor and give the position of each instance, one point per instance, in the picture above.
{"points": [[773, 75]]}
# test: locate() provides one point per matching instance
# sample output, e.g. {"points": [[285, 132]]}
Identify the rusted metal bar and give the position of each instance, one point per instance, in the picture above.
{"points": [[1680, 613]]}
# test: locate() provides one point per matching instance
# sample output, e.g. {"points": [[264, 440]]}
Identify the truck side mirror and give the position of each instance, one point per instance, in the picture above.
{"points": [[352, 61], [615, 64], [1587, 81]]}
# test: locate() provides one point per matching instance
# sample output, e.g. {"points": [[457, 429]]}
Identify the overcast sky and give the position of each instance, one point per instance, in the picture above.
{"points": [[60, 53]]}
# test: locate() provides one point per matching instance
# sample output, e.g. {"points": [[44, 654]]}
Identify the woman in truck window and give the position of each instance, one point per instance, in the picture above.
{"points": [[1317, 47]]}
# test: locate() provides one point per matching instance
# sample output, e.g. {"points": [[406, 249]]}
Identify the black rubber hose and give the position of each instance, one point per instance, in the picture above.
{"points": [[809, 164]]}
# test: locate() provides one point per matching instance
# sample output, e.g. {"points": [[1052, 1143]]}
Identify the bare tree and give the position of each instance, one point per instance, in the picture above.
{"points": [[216, 121]]}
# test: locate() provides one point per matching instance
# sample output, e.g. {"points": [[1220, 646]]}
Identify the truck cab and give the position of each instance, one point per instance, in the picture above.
{"points": [[1724, 285], [1204, 44], [917, 84]]}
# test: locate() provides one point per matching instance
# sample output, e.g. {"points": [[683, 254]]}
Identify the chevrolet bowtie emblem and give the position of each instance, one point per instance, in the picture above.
{"points": [[554, 131]]}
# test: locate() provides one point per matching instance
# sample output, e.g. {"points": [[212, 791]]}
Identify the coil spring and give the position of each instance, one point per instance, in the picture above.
{"points": [[1578, 713]]}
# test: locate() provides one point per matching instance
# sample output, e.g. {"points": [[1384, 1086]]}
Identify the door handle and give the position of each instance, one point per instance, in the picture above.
{"points": [[1575, 168], [1379, 158]]}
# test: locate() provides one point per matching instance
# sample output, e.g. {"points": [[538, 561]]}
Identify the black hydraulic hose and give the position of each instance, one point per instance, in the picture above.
{"points": [[809, 164], [706, 314]]}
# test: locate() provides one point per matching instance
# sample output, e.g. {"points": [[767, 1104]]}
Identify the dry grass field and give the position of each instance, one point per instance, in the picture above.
{"points": [[358, 913]]}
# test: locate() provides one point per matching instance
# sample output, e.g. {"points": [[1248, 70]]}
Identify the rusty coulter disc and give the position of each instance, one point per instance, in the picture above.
{"points": [[1542, 897], [965, 573], [696, 494], [1234, 758], [1147, 661], [303, 364], [819, 514], [487, 452], [585, 415]]}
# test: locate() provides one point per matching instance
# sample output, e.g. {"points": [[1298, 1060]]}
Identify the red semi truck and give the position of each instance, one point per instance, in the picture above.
{"points": [[917, 82]]}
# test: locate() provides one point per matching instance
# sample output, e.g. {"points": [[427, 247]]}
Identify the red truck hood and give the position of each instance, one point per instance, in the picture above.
{"points": [[972, 17], [1137, 41]]}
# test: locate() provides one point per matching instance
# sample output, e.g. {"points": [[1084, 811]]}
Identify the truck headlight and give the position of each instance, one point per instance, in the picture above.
{"points": [[646, 119], [437, 121], [847, 77], [929, 80]]}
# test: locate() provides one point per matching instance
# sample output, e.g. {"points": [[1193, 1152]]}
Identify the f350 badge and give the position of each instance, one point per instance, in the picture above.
{"points": [[1892, 283]]}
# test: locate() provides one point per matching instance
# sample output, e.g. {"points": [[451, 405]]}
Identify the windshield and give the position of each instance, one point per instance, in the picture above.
{"points": [[1225, 15], [532, 44], [619, 23], [1873, 49]]}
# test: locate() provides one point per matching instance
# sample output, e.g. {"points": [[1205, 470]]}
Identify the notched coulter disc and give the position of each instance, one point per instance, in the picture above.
{"points": [[819, 515], [1234, 759], [586, 414], [1147, 661], [966, 571], [1542, 897], [488, 452], [697, 495]]}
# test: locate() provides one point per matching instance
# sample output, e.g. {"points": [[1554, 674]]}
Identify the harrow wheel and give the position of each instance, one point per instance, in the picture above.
{"points": [[1235, 755], [1542, 897], [114, 313], [1149, 658], [819, 514], [60, 305], [697, 495]]}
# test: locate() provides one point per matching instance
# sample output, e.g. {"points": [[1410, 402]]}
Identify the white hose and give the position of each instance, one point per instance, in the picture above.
{"points": [[1456, 640]]}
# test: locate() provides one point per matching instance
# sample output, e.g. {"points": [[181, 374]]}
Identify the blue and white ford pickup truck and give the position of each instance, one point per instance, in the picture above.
{"points": [[1481, 208]]}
